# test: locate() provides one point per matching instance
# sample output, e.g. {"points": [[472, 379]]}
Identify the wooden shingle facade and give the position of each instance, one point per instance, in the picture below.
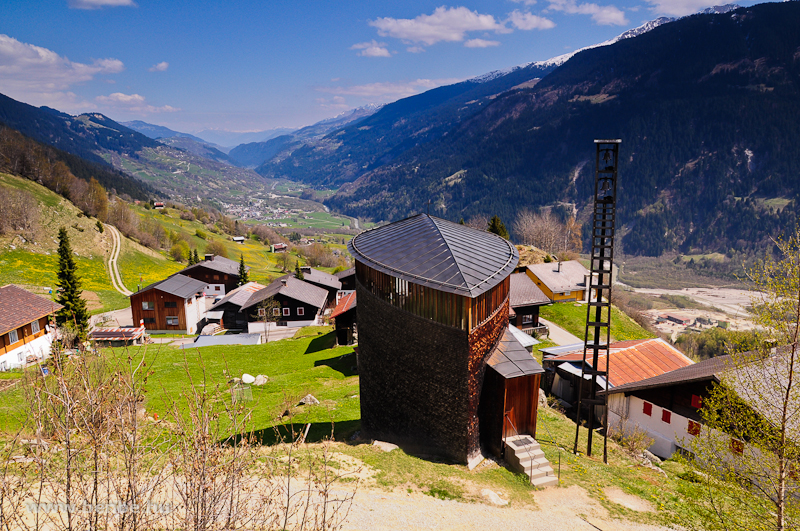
{"points": [[433, 306]]}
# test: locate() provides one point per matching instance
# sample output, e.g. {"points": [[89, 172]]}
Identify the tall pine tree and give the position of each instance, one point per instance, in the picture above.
{"points": [[74, 314], [242, 271], [498, 227]]}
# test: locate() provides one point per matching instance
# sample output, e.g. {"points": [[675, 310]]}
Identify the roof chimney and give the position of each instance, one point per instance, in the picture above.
{"points": [[283, 281], [559, 266], [305, 269], [209, 257]]}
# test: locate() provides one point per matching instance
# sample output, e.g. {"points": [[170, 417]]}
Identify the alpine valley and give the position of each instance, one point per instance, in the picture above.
{"points": [[706, 107]]}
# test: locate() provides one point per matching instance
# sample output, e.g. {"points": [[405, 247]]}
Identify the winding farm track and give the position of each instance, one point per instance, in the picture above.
{"points": [[113, 269]]}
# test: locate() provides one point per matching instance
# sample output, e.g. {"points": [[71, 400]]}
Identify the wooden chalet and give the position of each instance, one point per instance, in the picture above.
{"points": [[26, 332], [220, 274], [525, 300], [345, 317], [233, 318], [174, 305], [438, 372], [347, 278], [301, 303], [667, 406], [321, 279], [561, 281]]}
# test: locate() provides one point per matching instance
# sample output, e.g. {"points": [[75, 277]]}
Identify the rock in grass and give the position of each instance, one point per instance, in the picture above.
{"points": [[309, 400], [260, 380], [385, 446], [248, 378], [493, 497]]}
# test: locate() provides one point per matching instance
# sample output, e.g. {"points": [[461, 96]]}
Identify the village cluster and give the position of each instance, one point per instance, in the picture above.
{"points": [[445, 321]]}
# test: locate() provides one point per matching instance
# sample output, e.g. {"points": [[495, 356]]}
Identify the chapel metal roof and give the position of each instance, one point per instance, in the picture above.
{"points": [[437, 253]]}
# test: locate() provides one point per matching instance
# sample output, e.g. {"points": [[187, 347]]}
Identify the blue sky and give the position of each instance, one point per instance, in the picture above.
{"points": [[253, 65]]}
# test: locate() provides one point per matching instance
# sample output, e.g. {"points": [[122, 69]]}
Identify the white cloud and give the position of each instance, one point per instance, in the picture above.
{"points": [[480, 43], [132, 103], [97, 4], [603, 15], [679, 8], [337, 102], [40, 76], [415, 49], [525, 2], [390, 91], [160, 67], [372, 49], [449, 24], [527, 21]]}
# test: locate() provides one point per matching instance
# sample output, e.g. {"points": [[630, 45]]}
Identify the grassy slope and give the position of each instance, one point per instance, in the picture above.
{"points": [[33, 265], [296, 367], [264, 265], [572, 317]]}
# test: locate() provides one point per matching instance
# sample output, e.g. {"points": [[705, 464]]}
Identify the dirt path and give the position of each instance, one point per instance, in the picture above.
{"points": [[113, 269], [558, 335], [568, 509]]}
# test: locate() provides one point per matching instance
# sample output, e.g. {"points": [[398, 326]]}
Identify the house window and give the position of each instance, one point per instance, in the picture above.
{"points": [[276, 311], [35, 327], [149, 320], [527, 319], [286, 312], [262, 312], [697, 402], [694, 428], [172, 321], [647, 409], [148, 305], [666, 416], [13, 337], [737, 446], [301, 311], [170, 304], [216, 288], [216, 277]]}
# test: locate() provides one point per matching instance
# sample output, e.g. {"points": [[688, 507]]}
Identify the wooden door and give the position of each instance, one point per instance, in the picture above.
{"points": [[521, 403], [509, 422]]}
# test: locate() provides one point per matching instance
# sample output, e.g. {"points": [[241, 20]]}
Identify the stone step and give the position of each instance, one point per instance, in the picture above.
{"points": [[522, 444], [540, 472], [545, 481], [528, 457]]}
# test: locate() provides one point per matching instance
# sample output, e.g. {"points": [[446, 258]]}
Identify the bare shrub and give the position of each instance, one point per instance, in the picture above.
{"points": [[19, 213], [96, 460]]}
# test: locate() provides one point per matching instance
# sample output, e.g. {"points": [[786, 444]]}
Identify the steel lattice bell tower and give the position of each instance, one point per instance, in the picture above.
{"points": [[598, 310]]}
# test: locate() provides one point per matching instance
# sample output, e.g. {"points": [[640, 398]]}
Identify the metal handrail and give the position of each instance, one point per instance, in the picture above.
{"points": [[511, 422], [553, 442]]}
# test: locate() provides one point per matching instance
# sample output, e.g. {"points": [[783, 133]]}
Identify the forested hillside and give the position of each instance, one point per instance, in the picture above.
{"points": [[706, 107]]}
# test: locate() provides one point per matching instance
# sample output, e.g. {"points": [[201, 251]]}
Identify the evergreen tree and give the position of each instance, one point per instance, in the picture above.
{"points": [[195, 258], [242, 271], [498, 227], [74, 314], [298, 273]]}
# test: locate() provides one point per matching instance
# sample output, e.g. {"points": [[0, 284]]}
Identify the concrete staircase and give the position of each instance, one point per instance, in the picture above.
{"points": [[524, 454]]}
